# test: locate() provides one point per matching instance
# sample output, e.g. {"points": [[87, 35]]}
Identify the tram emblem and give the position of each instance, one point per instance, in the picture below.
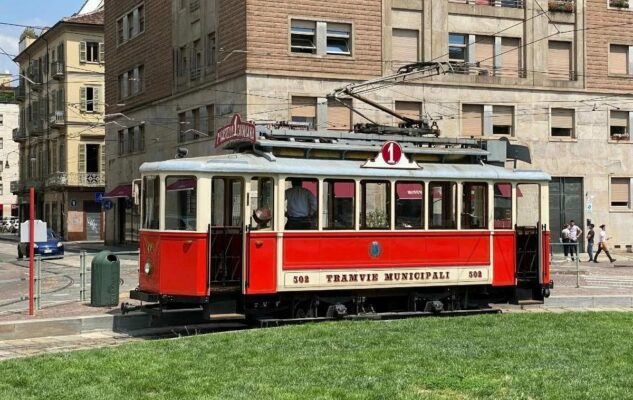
{"points": [[391, 156], [375, 250]]}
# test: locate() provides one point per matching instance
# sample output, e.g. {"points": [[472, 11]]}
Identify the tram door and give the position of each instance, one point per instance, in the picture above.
{"points": [[529, 246], [226, 234]]}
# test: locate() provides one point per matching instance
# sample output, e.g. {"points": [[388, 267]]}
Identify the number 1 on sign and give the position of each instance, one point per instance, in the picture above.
{"points": [[390, 151]]}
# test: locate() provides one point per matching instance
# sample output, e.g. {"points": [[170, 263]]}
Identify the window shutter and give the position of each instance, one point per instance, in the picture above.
{"points": [[60, 53], [559, 60], [339, 117], [102, 53], [404, 47], [135, 22], [54, 106], [124, 86], [502, 115], [82, 158], [620, 118], [304, 107], [82, 98], [620, 190], [60, 100], [137, 81], [618, 59], [82, 51], [102, 154], [510, 57], [562, 118], [409, 109], [96, 101], [472, 120], [485, 51]]}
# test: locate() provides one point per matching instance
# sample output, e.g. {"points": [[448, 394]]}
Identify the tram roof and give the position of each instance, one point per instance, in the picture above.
{"points": [[245, 163]]}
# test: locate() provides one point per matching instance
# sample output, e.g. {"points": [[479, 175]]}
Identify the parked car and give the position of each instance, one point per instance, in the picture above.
{"points": [[52, 247]]}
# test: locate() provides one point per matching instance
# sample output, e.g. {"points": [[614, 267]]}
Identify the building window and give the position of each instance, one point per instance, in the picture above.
{"points": [[621, 192], [196, 61], [472, 120], [304, 112], [89, 99], [620, 4], [91, 52], [560, 61], [303, 37], [339, 39], [339, 117], [619, 125], [181, 61], [562, 123], [1, 145], [211, 49], [619, 60], [1, 189], [131, 24], [1, 119], [457, 47], [210, 120], [502, 120], [121, 142], [405, 47], [409, 109]]}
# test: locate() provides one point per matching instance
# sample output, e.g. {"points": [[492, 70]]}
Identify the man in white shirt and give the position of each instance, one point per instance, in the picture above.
{"points": [[602, 244], [565, 237], [574, 234], [301, 206]]}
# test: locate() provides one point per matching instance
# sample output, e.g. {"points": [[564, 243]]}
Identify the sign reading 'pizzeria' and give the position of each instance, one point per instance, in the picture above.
{"points": [[236, 131]]}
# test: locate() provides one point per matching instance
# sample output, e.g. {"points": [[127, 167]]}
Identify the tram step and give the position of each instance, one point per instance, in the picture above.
{"points": [[226, 317]]}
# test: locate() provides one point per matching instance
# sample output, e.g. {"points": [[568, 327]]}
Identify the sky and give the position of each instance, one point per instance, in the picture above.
{"points": [[29, 12]]}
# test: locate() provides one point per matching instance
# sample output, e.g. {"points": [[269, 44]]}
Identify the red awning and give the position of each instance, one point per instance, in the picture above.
{"points": [[182, 184], [409, 191], [120, 191]]}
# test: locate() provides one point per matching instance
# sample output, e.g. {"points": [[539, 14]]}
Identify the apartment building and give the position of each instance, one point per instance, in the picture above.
{"points": [[9, 165], [61, 133], [543, 82]]}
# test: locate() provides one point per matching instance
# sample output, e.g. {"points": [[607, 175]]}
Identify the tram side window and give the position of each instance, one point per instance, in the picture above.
{"points": [[338, 196], [180, 203], [376, 205], [409, 205], [151, 202], [262, 204], [503, 206], [528, 204], [226, 202], [301, 203], [475, 206], [442, 205]]}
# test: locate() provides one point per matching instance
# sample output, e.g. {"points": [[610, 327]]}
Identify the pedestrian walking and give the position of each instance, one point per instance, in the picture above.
{"points": [[574, 234], [590, 235], [565, 237], [602, 244]]}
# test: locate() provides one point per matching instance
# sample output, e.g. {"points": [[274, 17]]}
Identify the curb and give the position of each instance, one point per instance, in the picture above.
{"points": [[589, 302]]}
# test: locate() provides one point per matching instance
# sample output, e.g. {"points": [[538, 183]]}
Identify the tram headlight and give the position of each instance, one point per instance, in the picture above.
{"points": [[147, 268]]}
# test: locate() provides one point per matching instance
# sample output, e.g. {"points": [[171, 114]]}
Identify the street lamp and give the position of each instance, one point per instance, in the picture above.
{"points": [[6, 163]]}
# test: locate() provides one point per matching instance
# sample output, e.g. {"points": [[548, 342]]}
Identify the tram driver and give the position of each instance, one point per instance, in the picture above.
{"points": [[301, 206]]}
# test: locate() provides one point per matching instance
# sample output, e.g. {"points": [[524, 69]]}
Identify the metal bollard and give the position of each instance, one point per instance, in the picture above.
{"points": [[577, 267], [82, 275], [38, 282]]}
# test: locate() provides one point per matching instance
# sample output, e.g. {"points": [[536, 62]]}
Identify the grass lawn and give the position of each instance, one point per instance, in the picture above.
{"points": [[513, 356]]}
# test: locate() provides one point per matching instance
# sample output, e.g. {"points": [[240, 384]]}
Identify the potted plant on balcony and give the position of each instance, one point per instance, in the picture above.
{"points": [[620, 136], [619, 3], [566, 6]]}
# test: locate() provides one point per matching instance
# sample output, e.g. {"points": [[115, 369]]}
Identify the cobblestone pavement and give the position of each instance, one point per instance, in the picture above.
{"points": [[10, 349]]}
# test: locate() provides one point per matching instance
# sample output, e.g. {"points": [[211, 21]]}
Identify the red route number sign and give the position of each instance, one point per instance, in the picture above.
{"points": [[391, 153]]}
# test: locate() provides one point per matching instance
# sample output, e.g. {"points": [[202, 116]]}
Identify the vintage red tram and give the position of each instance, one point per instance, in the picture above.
{"points": [[411, 224]]}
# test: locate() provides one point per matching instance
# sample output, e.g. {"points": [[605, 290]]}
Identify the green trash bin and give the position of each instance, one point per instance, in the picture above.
{"points": [[105, 276]]}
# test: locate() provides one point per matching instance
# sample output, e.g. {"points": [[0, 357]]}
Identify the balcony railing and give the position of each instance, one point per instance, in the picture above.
{"points": [[495, 3], [78, 179], [19, 135], [57, 118], [57, 70], [566, 6]]}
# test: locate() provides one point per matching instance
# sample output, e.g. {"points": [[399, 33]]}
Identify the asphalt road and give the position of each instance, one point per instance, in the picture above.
{"points": [[60, 278]]}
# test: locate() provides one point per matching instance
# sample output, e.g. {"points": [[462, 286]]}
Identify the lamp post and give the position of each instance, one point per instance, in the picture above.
{"points": [[6, 162]]}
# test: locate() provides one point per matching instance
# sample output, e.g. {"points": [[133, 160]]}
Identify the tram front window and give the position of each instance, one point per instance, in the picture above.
{"points": [[180, 203], [151, 202], [475, 206], [301, 203], [261, 201]]}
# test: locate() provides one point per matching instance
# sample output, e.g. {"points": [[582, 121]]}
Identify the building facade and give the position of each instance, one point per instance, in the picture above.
{"points": [[544, 82], [9, 155], [61, 132]]}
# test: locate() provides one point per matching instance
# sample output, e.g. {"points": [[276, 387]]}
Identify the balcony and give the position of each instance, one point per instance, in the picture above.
{"points": [[57, 70], [57, 119], [36, 127], [495, 3], [564, 6], [76, 179], [19, 135]]}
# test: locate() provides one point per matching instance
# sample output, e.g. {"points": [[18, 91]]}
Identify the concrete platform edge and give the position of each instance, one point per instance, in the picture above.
{"points": [[589, 301]]}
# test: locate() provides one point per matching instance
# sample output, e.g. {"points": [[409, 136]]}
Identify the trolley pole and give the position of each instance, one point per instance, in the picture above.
{"points": [[31, 250]]}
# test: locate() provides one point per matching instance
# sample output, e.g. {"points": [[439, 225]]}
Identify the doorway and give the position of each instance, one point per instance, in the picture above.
{"points": [[565, 204]]}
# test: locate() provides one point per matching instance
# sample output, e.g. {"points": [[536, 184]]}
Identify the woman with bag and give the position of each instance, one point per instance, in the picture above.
{"points": [[602, 245]]}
